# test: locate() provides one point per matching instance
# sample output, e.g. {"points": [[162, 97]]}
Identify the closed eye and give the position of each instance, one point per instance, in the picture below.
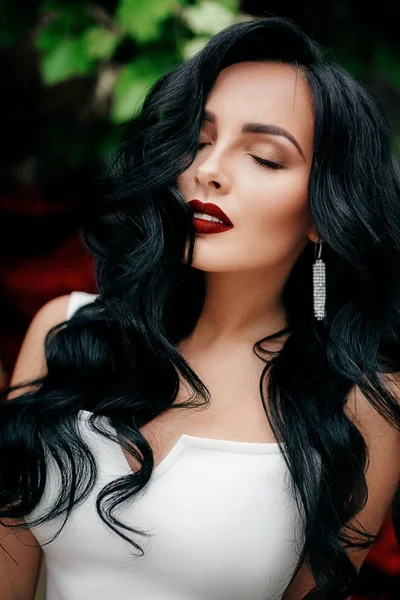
{"points": [[260, 161], [266, 163]]}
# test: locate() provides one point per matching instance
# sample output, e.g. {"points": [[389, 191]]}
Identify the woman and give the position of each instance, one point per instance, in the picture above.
{"points": [[275, 327]]}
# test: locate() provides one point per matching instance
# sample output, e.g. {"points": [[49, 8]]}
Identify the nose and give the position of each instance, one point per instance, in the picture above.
{"points": [[209, 174]]}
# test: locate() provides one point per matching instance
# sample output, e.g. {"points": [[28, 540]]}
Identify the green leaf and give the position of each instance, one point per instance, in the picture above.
{"points": [[100, 42], [232, 5], [135, 81], [142, 19], [51, 34], [68, 59], [208, 18], [193, 46]]}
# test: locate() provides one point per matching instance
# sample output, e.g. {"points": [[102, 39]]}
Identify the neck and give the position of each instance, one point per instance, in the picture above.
{"points": [[240, 308]]}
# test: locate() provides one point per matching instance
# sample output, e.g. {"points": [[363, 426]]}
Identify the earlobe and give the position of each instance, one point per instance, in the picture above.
{"points": [[313, 235]]}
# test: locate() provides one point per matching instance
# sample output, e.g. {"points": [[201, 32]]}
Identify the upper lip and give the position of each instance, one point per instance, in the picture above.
{"points": [[210, 209]]}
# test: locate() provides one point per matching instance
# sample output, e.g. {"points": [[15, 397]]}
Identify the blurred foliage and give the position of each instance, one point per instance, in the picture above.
{"points": [[122, 47], [107, 54], [86, 39], [114, 50]]}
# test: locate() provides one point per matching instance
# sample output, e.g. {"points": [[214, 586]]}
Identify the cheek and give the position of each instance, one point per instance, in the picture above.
{"points": [[282, 206]]}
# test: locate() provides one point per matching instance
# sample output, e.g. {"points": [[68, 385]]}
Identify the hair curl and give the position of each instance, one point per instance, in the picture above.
{"points": [[118, 357]]}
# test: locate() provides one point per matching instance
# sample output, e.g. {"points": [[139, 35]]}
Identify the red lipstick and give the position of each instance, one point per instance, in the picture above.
{"points": [[202, 225]]}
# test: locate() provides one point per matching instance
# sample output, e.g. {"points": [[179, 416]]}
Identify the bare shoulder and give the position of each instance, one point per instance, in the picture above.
{"points": [[31, 363], [382, 441], [20, 553], [382, 475], [371, 423]]}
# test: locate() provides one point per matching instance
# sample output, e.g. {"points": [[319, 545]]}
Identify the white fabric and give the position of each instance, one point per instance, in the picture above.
{"points": [[224, 525], [78, 299]]}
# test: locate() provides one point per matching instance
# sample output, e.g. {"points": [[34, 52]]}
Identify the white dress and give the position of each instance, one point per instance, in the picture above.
{"points": [[224, 525]]}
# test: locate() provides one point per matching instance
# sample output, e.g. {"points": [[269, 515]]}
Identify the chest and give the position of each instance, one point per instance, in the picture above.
{"points": [[235, 412]]}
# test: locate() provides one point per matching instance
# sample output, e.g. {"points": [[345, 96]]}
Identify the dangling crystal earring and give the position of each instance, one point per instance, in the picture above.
{"points": [[319, 284]]}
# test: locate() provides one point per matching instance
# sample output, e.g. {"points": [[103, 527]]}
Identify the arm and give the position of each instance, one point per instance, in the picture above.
{"points": [[382, 477], [20, 554]]}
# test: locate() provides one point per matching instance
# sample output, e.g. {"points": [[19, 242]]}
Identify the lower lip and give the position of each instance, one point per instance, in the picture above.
{"points": [[203, 226]]}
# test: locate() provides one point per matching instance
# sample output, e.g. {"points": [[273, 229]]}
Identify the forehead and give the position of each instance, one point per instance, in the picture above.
{"points": [[265, 92]]}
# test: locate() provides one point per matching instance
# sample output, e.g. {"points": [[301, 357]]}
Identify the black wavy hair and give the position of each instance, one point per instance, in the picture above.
{"points": [[118, 357]]}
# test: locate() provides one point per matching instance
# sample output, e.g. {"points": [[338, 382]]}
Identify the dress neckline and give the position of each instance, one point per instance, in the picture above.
{"points": [[185, 440]]}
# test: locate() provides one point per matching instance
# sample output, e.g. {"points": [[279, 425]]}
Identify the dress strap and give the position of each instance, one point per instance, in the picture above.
{"points": [[77, 300]]}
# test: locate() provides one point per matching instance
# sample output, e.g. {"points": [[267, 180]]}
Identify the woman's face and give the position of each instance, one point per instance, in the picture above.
{"points": [[266, 203]]}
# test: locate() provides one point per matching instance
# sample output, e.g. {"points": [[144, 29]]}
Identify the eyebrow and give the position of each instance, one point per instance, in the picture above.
{"points": [[262, 128]]}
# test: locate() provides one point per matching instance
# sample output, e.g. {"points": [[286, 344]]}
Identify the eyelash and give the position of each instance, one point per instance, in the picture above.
{"points": [[260, 161], [266, 163]]}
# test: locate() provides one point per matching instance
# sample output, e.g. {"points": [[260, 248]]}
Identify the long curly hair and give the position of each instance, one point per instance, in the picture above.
{"points": [[117, 357]]}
